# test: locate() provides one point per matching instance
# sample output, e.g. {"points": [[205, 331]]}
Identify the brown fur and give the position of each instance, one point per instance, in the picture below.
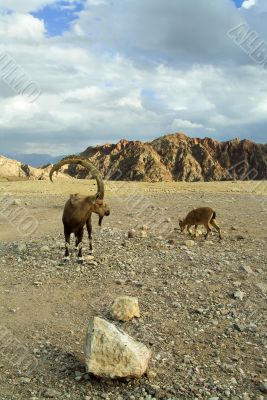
{"points": [[78, 213], [200, 216], [79, 208]]}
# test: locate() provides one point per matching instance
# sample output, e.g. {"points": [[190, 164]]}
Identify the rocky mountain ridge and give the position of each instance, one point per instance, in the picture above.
{"points": [[177, 157], [173, 157]]}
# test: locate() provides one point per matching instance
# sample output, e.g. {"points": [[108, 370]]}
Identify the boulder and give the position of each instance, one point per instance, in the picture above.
{"points": [[125, 308], [111, 353]]}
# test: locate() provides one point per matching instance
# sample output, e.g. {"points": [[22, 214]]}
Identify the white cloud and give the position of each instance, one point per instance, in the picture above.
{"points": [[28, 6], [179, 124], [248, 3], [95, 92], [24, 6], [21, 27]]}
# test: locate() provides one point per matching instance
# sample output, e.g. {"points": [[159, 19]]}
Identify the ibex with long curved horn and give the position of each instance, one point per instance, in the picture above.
{"points": [[79, 208]]}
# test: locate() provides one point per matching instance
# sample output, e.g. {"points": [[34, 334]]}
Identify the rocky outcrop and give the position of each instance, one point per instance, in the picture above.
{"points": [[15, 170], [111, 353], [177, 157]]}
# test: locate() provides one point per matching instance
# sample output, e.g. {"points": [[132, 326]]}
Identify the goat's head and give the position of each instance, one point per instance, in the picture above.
{"points": [[101, 208], [181, 224]]}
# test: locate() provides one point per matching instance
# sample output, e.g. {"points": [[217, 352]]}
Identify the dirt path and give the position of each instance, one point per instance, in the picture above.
{"points": [[205, 343]]}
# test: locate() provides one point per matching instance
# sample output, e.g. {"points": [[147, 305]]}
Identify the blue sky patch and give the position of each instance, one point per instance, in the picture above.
{"points": [[59, 16], [238, 3]]}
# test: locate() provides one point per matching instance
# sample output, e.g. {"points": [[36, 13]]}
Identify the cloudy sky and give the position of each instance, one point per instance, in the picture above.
{"points": [[135, 69]]}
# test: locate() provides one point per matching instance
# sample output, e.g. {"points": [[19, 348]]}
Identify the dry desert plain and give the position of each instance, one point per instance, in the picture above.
{"points": [[203, 304]]}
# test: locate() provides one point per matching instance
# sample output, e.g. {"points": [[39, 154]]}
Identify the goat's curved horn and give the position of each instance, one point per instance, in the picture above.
{"points": [[86, 164]]}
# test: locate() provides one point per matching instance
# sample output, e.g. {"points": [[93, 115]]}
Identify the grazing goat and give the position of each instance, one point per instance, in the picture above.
{"points": [[79, 208], [200, 216]]}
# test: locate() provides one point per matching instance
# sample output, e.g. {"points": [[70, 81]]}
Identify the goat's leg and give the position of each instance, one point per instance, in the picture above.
{"points": [[89, 230], [216, 226], [80, 245], [207, 226], [67, 245], [76, 242], [188, 230]]}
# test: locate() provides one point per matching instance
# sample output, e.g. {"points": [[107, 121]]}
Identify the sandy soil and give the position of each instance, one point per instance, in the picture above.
{"points": [[205, 342]]}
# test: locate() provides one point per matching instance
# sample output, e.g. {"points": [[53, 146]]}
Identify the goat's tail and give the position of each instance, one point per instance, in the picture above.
{"points": [[213, 215]]}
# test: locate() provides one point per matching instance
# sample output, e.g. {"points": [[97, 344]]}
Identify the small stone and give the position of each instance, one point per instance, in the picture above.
{"points": [[189, 243], [89, 258], [131, 233], [240, 237], [200, 310], [239, 327], [143, 234], [86, 377], [16, 202], [21, 247], [120, 281], [238, 294], [262, 286], [92, 262], [144, 227], [125, 308], [78, 375], [247, 269], [25, 380], [263, 387], [51, 393], [233, 381], [44, 248], [151, 375]]}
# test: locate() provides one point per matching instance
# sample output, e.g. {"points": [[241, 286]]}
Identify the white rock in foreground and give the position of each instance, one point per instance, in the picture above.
{"points": [[125, 308], [111, 353]]}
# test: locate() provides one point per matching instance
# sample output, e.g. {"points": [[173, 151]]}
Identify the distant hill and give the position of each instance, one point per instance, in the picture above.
{"points": [[11, 170], [177, 157], [35, 160]]}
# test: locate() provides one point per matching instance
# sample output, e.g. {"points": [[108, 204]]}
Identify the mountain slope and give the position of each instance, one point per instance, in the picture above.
{"points": [[15, 170], [174, 157], [177, 157]]}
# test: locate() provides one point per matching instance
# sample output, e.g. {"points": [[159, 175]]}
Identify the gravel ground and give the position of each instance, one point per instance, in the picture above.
{"points": [[203, 304]]}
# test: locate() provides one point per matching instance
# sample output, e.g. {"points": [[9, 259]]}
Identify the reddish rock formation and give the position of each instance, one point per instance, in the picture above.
{"points": [[177, 157], [174, 157]]}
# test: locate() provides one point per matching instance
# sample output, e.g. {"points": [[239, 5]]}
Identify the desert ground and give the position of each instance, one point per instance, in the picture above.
{"points": [[203, 304]]}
